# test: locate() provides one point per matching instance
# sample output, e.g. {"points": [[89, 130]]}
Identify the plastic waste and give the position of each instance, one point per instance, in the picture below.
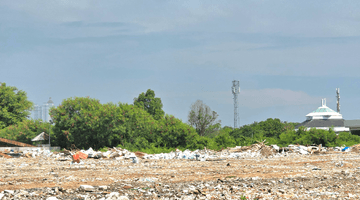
{"points": [[346, 149]]}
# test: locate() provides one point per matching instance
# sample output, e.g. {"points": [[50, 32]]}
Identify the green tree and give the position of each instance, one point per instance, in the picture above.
{"points": [[25, 131], [150, 103], [84, 122], [14, 105], [203, 119], [272, 127], [87, 123], [224, 140], [246, 131]]}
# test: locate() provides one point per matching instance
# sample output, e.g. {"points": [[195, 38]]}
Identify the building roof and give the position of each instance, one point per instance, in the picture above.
{"points": [[41, 136], [50, 101], [16, 143], [323, 109], [323, 112], [352, 123], [322, 123]]}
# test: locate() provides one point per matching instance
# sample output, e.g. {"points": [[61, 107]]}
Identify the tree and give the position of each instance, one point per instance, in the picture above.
{"points": [[245, 131], [14, 105], [272, 127], [26, 130], [203, 118], [151, 104], [87, 123]]}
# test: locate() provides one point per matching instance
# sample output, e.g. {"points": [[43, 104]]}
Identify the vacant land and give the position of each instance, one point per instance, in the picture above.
{"points": [[324, 176]]}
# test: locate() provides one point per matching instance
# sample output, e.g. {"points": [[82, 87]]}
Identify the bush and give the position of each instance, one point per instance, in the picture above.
{"points": [[224, 140], [26, 130], [87, 123], [347, 139]]}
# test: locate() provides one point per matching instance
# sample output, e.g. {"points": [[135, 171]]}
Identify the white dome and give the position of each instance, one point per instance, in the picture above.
{"points": [[323, 112]]}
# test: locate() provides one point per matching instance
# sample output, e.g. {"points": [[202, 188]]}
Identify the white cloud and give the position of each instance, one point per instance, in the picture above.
{"points": [[276, 97], [263, 98], [285, 18]]}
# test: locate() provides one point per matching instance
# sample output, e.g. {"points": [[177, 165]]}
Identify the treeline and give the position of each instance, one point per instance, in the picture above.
{"points": [[282, 134], [144, 126]]}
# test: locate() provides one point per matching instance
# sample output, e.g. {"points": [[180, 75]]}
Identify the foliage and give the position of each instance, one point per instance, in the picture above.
{"points": [[14, 105], [245, 131], [151, 104], [347, 139], [87, 123], [152, 149], [104, 149], [203, 119], [144, 126], [271, 127], [311, 137], [224, 140], [26, 130]]}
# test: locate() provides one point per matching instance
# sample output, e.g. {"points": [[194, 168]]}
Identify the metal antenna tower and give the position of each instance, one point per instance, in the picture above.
{"points": [[338, 99], [236, 90]]}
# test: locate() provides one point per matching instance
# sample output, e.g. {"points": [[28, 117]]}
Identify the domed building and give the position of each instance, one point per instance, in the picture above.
{"points": [[324, 118]]}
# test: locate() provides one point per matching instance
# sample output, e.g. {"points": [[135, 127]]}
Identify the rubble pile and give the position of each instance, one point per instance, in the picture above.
{"points": [[356, 148], [258, 171], [320, 176], [260, 149]]}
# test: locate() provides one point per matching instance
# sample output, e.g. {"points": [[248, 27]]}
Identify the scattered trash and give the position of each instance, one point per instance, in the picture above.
{"points": [[262, 172], [5, 155], [260, 149], [315, 168], [346, 149]]}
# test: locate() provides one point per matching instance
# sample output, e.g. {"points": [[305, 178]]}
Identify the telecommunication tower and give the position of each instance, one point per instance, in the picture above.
{"points": [[338, 100], [236, 90]]}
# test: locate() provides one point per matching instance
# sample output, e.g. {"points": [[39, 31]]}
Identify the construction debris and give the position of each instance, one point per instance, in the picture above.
{"points": [[260, 149], [285, 174], [16, 143], [259, 171], [4, 155]]}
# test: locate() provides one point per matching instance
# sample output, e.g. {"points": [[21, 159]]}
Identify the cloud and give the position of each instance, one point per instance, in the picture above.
{"points": [[283, 18], [263, 98], [276, 97]]}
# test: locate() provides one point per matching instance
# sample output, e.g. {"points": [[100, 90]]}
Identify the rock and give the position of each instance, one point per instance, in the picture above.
{"points": [[9, 191], [112, 194], [51, 198], [87, 188], [103, 187]]}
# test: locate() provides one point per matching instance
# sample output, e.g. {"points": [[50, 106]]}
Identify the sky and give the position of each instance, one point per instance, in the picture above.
{"points": [[287, 55]]}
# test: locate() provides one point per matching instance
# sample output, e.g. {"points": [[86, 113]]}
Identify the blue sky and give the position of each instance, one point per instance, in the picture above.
{"points": [[287, 55]]}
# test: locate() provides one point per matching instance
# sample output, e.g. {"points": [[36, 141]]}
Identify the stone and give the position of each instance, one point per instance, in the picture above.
{"points": [[9, 191], [103, 187], [112, 194], [51, 198], [87, 188]]}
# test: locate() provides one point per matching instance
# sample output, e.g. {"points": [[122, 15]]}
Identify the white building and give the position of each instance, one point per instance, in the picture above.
{"points": [[324, 118]]}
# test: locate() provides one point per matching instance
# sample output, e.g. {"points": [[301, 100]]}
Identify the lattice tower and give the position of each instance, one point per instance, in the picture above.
{"points": [[338, 100], [236, 91]]}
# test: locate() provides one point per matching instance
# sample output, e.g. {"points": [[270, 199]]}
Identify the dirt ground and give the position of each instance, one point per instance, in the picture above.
{"points": [[27, 173]]}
